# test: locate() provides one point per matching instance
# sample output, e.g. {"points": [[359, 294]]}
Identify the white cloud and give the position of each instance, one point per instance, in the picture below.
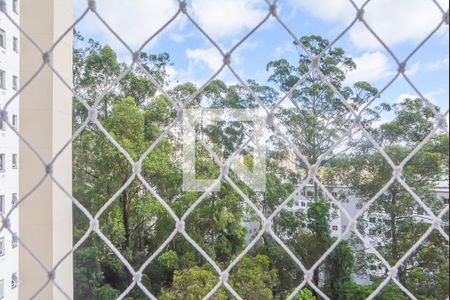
{"points": [[180, 37], [431, 96], [134, 21], [287, 48], [226, 18], [336, 10], [405, 96], [371, 67], [413, 69], [395, 22], [205, 57], [437, 65]]}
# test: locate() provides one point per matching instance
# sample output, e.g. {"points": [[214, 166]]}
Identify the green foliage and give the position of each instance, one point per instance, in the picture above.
{"points": [[305, 294], [193, 283], [137, 224]]}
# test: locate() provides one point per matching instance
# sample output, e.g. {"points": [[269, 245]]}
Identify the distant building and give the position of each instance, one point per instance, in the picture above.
{"points": [[9, 148], [338, 223]]}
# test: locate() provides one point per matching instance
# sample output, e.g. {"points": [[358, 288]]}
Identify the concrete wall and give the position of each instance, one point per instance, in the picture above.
{"points": [[46, 112]]}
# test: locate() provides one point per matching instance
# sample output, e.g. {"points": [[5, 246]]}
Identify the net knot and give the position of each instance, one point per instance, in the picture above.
{"points": [[393, 272], [397, 172], [227, 59], [312, 171], [51, 275], [270, 119], [273, 10], [224, 170], [94, 224], [316, 62], [402, 67], [6, 223], [308, 275], [92, 5], [137, 277], [352, 226], [136, 56], [46, 57], [224, 276], [360, 14], [268, 226], [49, 169], [183, 6], [137, 168], [93, 114], [437, 223], [180, 226], [357, 121], [445, 18]]}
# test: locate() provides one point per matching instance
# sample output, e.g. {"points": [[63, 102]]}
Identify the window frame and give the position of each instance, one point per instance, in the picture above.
{"points": [[2, 246], [15, 44], [2, 163], [15, 119], [2, 288], [14, 241], [14, 161], [14, 280], [15, 82], [2, 80], [2, 204], [15, 6], [3, 34], [14, 198]]}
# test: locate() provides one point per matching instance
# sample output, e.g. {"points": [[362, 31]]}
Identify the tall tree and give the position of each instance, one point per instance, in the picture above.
{"points": [[397, 220]]}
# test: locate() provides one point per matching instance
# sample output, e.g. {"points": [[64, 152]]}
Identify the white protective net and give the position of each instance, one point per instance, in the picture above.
{"points": [[223, 274]]}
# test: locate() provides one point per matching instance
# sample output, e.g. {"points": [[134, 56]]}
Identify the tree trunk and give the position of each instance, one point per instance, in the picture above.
{"points": [[125, 220]]}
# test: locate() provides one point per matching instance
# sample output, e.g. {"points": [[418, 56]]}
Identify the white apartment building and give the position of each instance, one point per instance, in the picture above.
{"points": [[9, 148], [352, 205], [338, 221]]}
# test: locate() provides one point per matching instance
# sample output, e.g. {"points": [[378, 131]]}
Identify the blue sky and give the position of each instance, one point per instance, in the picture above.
{"points": [[402, 24]]}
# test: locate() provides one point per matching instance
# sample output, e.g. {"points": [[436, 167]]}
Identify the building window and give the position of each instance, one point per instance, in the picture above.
{"points": [[2, 80], [15, 44], [15, 6], [334, 194], [2, 246], [15, 82], [445, 200], [2, 204], [334, 227], [14, 161], [2, 288], [2, 163], [2, 38], [14, 280], [14, 121], [14, 241], [303, 203], [14, 198]]}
